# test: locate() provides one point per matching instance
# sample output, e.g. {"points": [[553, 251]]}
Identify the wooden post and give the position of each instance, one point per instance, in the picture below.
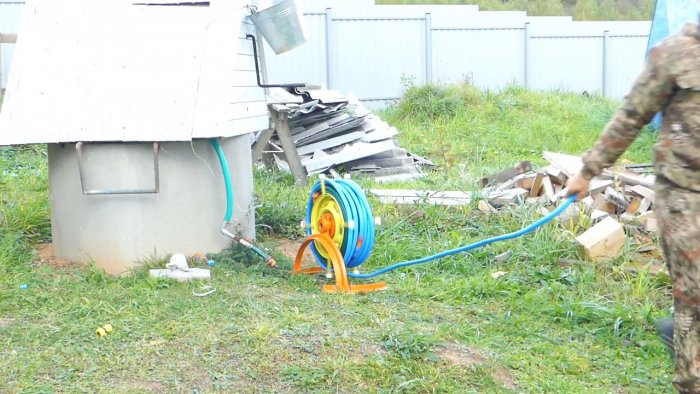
{"points": [[261, 143], [280, 114]]}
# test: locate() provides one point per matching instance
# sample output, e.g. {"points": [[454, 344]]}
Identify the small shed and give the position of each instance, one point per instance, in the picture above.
{"points": [[128, 95]]}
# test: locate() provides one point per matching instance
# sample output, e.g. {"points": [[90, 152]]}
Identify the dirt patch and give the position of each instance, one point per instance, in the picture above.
{"points": [[465, 357], [46, 256], [140, 385], [504, 377], [290, 248], [460, 355], [152, 387], [367, 350], [6, 322]]}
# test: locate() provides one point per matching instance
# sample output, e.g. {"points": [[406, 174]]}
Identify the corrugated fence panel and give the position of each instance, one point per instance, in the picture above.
{"points": [[10, 16], [577, 66], [489, 58], [370, 57], [624, 63], [306, 63]]}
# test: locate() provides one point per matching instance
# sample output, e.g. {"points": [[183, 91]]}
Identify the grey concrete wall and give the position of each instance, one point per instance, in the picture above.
{"points": [[119, 231]]}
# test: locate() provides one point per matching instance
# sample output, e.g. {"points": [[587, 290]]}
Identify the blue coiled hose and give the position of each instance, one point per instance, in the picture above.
{"points": [[355, 207], [359, 239]]}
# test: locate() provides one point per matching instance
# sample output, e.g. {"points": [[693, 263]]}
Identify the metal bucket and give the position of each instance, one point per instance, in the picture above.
{"points": [[282, 25]]}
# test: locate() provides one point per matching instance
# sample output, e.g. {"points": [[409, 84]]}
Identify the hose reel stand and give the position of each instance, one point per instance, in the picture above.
{"points": [[340, 231]]}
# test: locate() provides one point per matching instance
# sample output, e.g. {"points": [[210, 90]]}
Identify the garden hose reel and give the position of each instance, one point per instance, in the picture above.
{"points": [[340, 231]]}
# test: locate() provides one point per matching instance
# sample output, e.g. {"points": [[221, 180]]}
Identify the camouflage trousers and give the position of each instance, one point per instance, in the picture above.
{"points": [[678, 214]]}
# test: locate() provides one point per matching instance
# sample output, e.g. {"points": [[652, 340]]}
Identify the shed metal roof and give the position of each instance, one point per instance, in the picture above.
{"points": [[109, 70]]}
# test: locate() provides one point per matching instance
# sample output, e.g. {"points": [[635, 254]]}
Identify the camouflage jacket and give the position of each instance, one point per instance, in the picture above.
{"points": [[669, 83]]}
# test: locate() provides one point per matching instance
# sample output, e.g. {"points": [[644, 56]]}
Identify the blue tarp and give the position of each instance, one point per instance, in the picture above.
{"points": [[669, 18]]}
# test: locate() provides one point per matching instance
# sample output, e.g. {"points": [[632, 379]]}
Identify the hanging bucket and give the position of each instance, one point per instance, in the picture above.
{"points": [[282, 25]]}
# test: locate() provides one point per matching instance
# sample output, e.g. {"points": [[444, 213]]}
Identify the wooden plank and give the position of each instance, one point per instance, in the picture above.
{"points": [[644, 205], [485, 207], [261, 142], [598, 185], [408, 200], [643, 191], [603, 241], [571, 165], [433, 197], [651, 225], [525, 181], [616, 198], [600, 202], [537, 185], [646, 216], [507, 174], [568, 164], [597, 215], [509, 184], [634, 205], [630, 178], [556, 175], [420, 193], [548, 188], [290, 150], [504, 197], [627, 218]]}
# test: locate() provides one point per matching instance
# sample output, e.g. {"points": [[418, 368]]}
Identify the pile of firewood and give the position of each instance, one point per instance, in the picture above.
{"points": [[618, 206], [618, 200]]}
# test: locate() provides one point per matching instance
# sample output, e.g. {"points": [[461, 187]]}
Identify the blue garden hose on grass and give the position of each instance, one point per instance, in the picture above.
{"points": [[359, 237]]}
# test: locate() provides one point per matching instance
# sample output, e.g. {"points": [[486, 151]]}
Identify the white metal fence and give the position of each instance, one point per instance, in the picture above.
{"points": [[356, 46], [372, 50]]}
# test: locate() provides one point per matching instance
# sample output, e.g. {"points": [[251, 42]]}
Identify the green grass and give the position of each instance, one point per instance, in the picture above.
{"points": [[472, 133], [441, 327]]}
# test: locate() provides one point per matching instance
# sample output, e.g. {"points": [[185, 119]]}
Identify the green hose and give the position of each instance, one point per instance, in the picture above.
{"points": [[227, 179], [229, 206]]}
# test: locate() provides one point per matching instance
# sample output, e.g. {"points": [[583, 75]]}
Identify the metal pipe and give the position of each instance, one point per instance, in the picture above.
{"points": [[329, 35], [526, 55], [605, 62], [428, 48]]}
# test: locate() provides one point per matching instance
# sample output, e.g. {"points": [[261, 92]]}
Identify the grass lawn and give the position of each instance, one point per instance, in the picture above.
{"points": [[446, 326]]}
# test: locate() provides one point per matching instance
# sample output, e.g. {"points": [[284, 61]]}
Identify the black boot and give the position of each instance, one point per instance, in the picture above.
{"points": [[665, 328]]}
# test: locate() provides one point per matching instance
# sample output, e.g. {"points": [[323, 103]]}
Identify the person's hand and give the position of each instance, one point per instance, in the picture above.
{"points": [[578, 185]]}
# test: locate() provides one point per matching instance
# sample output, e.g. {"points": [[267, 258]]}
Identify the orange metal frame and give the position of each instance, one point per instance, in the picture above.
{"points": [[342, 283]]}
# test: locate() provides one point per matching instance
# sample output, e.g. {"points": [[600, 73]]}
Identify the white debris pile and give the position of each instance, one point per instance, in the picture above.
{"points": [[335, 131]]}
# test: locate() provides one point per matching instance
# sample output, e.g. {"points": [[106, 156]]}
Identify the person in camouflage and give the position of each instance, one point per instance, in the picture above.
{"points": [[669, 83]]}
